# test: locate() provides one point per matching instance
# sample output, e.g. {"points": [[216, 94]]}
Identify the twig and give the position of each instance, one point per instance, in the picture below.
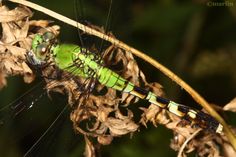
{"points": [[197, 97], [186, 142]]}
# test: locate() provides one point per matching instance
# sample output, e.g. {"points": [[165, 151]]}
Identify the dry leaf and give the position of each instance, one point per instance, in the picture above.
{"points": [[89, 148], [231, 106], [105, 140], [228, 150], [119, 127], [14, 15], [3, 81]]}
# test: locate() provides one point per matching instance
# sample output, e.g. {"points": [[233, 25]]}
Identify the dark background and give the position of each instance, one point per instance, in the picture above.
{"points": [[194, 39]]}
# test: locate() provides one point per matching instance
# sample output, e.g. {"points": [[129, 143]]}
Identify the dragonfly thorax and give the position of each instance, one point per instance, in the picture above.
{"points": [[76, 60]]}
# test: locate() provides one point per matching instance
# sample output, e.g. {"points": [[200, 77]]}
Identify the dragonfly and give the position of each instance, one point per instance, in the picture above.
{"points": [[80, 62]]}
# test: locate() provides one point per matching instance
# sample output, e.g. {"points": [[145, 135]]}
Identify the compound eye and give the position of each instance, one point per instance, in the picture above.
{"points": [[38, 39], [48, 36], [41, 51]]}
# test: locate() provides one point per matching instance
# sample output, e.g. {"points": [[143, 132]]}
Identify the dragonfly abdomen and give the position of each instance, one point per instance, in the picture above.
{"points": [[111, 79]]}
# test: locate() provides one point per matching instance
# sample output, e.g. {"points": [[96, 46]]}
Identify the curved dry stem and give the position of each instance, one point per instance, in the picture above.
{"points": [[186, 142], [197, 97]]}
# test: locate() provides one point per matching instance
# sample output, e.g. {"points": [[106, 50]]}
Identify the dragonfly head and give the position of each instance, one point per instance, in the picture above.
{"points": [[41, 48]]}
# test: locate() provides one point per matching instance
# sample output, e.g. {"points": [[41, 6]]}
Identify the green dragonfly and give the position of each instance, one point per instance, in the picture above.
{"points": [[80, 62]]}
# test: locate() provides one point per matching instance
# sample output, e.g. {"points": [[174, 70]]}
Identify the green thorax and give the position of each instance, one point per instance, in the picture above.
{"points": [[76, 60]]}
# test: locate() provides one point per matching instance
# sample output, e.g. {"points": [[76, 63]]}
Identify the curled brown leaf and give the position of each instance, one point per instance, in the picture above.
{"points": [[231, 106]]}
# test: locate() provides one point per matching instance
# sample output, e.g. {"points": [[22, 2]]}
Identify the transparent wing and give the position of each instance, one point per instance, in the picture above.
{"points": [[22, 124]]}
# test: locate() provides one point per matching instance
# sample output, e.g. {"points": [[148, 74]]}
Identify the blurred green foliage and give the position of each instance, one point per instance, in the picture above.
{"points": [[193, 39]]}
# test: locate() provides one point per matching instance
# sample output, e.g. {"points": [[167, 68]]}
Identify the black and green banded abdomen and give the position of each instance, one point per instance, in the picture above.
{"points": [[111, 79]]}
